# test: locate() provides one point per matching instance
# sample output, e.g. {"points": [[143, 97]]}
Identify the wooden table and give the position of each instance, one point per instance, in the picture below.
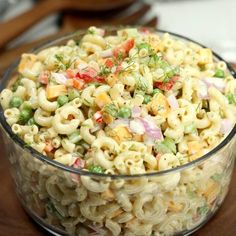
{"points": [[15, 222]]}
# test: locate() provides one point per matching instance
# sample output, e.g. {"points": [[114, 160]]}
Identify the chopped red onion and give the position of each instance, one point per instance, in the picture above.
{"points": [[59, 78], [75, 178], [173, 102], [118, 122], [98, 230], [148, 140], [226, 126], [151, 129], [106, 53], [202, 90], [214, 82], [136, 111], [136, 126], [82, 66], [79, 163]]}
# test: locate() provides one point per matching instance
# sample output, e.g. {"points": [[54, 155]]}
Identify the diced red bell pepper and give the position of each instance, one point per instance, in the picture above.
{"points": [[99, 79], [85, 77], [123, 50], [129, 44], [98, 117], [109, 63], [70, 73], [43, 77], [144, 30], [78, 83], [168, 85]]}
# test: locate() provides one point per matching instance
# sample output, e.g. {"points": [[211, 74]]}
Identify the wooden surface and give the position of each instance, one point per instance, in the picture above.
{"points": [[15, 222]]}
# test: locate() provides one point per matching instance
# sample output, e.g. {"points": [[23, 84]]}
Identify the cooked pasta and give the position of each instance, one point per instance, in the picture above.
{"points": [[131, 103]]}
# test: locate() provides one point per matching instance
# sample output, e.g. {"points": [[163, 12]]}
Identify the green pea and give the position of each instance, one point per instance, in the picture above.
{"points": [[26, 106], [124, 112], [16, 101], [62, 100], [156, 91], [147, 99], [219, 73], [25, 115], [96, 169]]}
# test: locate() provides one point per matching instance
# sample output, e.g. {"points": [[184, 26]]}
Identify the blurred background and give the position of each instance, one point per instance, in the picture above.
{"points": [[27, 23]]}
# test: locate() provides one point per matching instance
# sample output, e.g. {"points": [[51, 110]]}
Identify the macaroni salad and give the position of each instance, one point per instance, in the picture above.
{"points": [[132, 103]]}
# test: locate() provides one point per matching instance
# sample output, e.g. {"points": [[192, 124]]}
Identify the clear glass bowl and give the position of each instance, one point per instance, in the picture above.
{"points": [[68, 201]]}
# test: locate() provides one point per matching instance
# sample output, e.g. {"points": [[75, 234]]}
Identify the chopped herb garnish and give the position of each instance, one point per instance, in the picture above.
{"points": [[59, 57], [104, 71]]}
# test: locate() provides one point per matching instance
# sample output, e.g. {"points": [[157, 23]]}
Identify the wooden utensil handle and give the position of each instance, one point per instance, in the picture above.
{"points": [[14, 27]]}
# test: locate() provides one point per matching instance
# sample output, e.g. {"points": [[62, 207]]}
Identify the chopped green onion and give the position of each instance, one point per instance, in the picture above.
{"points": [[52, 209], [62, 100], [73, 93], [231, 99], [219, 73], [16, 84], [166, 146], [96, 169], [190, 128], [138, 92], [75, 137], [16, 101], [124, 112], [171, 72], [153, 61], [147, 99], [144, 45], [202, 210], [110, 109], [141, 83], [216, 177]]}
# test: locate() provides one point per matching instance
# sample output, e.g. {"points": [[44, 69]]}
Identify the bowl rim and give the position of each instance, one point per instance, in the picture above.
{"points": [[7, 128]]}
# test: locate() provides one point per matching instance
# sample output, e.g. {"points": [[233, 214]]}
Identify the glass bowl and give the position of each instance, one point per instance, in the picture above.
{"points": [[68, 201]]}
